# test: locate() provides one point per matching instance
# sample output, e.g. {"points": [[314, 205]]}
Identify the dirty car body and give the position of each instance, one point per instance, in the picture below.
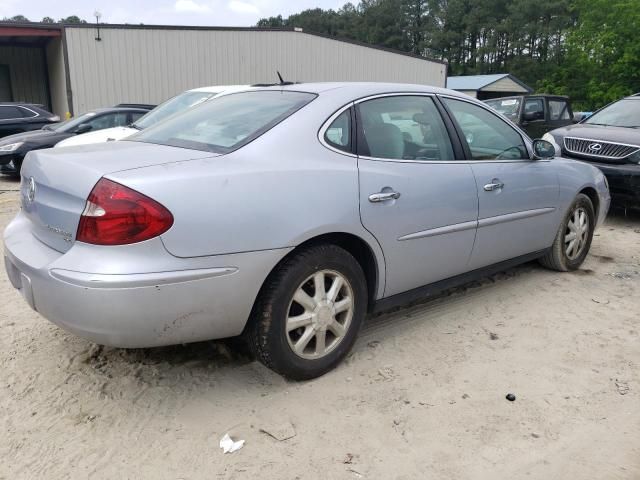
{"points": [[418, 206]]}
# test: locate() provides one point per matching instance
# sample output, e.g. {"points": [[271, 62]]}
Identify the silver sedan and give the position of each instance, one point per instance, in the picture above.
{"points": [[285, 214]]}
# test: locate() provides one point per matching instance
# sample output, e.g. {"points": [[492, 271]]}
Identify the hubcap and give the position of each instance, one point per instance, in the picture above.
{"points": [[576, 233], [319, 314]]}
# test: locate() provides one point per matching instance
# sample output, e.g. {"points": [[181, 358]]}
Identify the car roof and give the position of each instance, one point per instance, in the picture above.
{"points": [[118, 109], [218, 88], [529, 95], [358, 89]]}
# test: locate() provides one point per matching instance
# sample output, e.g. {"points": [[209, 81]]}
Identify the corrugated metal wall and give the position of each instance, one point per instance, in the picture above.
{"points": [[151, 65], [27, 72], [57, 77]]}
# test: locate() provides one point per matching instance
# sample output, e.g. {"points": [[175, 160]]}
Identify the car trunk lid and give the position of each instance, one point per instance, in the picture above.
{"points": [[56, 182]]}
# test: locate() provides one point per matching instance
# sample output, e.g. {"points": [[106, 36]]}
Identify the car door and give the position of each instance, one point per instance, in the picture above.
{"points": [[517, 196], [534, 118], [560, 113], [419, 202]]}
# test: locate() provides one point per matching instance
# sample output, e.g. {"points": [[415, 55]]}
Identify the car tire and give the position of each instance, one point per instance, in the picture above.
{"points": [[294, 328], [578, 225], [17, 165]]}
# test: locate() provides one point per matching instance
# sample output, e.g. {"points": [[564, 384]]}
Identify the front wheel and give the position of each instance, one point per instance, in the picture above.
{"points": [[574, 236], [309, 312]]}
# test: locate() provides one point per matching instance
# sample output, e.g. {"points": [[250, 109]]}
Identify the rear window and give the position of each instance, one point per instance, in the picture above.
{"points": [[174, 105], [227, 122]]}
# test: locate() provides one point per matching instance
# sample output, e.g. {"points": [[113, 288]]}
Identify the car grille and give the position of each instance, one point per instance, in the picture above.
{"points": [[597, 149]]}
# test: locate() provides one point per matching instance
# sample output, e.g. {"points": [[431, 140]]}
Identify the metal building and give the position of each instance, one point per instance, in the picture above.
{"points": [[484, 87], [74, 68]]}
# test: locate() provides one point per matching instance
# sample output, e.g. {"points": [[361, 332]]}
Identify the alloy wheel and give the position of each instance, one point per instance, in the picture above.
{"points": [[576, 233], [319, 314]]}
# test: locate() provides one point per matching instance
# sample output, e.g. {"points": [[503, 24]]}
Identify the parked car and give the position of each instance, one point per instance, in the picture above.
{"points": [[535, 114], [579, 116], [14, 147], [610, 140], [286, 214], [23, 117], [172, 106]]}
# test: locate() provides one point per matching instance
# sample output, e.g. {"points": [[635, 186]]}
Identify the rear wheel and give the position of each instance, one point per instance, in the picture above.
{"points": [[574, 236], [309, 312]]}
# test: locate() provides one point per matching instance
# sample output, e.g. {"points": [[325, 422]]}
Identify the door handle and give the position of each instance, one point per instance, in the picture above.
{"points": [[383, 196], [494, 185]]}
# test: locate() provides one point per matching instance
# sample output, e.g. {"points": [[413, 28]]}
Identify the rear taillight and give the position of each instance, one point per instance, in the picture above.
{"points": [[117, 215]]}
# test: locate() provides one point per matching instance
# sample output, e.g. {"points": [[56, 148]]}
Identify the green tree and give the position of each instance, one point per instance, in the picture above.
{"points": [[73, 19], [16, 18]]}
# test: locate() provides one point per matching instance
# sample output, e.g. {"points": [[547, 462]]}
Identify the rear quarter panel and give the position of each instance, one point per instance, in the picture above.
{"points": [[276, 192]]}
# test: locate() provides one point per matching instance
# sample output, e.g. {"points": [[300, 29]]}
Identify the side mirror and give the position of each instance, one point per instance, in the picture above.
{"points": [[530, 116], [83, 128], [543, 149]]}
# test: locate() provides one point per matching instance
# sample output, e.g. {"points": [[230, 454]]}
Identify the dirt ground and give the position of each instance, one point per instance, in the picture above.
{"points": [[422, 395]]}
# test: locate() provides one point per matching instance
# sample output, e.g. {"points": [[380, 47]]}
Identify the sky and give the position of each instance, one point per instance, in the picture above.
{"points": [[164, 12]]}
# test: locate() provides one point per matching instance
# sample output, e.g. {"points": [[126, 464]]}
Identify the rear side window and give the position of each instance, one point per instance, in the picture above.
{"points": [[559, 110], [488, 136], [403, 127], [228, 122], [338, 135], [26, 113], [10, 113]]}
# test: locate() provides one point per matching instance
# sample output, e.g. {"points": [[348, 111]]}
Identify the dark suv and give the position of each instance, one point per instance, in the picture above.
{"points": [[610, 140], [535, 114]]}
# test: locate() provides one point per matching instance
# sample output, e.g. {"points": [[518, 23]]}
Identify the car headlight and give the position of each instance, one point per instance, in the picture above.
{"points": [[552, 140], [12, 147], [635, 158]]}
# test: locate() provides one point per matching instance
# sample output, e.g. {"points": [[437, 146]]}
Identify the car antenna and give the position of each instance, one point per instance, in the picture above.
{"points": [[282, 80]]}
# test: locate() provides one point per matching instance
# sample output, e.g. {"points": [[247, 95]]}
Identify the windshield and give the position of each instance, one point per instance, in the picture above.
{"points": [[623, 113], [72, 123], [509, 107], [227, 122], [173, 105]]}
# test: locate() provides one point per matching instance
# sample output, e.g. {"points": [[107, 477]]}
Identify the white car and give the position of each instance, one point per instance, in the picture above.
{"points": [[172, 106]]}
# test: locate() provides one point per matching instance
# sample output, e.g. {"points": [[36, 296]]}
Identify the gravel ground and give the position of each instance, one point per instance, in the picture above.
{"points": [[422, 395]]}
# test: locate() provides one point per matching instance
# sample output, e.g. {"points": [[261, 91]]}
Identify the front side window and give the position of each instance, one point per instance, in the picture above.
{"points": [[623, 113], [338, 134], [559, 110], [534, 109], [403, 127], [109, 120], [226, 122], [488, 137]]}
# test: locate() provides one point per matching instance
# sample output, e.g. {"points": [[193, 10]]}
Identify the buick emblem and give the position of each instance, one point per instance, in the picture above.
{"points": [[31, 193], [595, 147]]}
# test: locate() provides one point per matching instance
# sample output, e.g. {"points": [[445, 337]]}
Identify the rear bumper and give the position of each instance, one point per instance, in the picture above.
{"points": [[166, 301], [624, 182]]}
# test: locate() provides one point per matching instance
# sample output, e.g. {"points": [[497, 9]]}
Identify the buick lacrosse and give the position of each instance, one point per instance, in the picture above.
{"points": [[285, 214]]}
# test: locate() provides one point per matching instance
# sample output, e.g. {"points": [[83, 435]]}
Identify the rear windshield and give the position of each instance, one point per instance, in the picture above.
{"points": [[226, 123], [173, 105], [623, 113], [509, 107]]}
